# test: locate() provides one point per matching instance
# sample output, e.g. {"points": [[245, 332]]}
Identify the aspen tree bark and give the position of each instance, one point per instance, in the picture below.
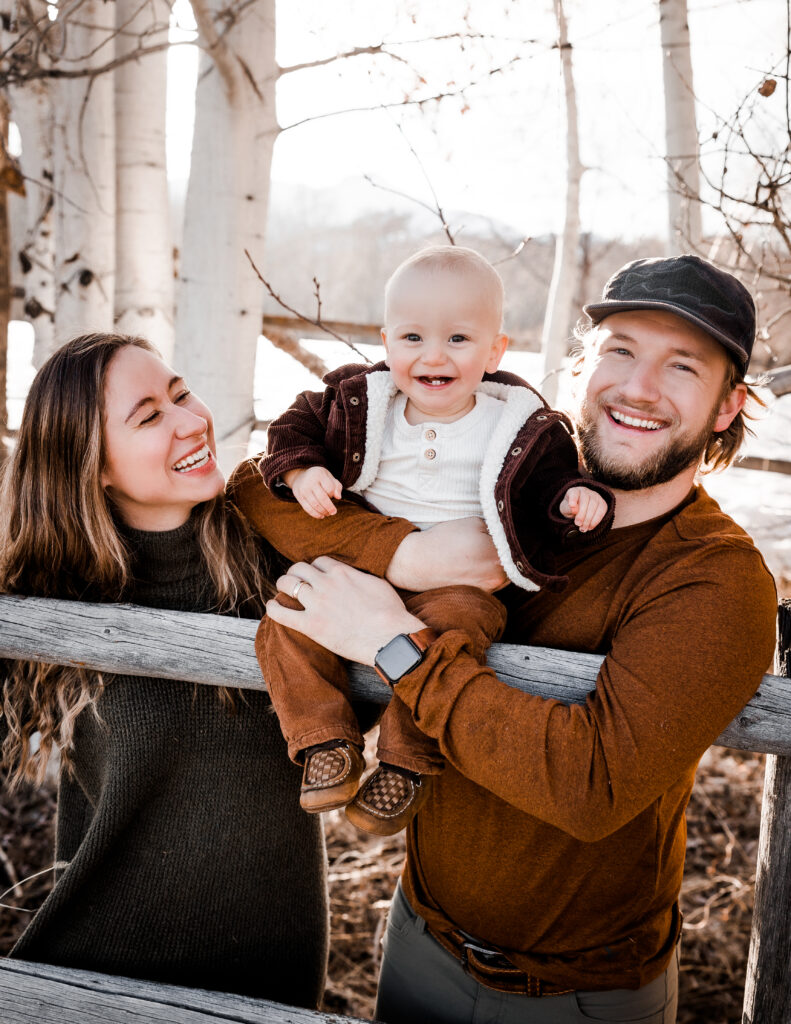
{"points": [[33, 226], [144, 284], [5, 286], [559, 313], [681, 133], [220, 300], [85, 173], [33, 114]]}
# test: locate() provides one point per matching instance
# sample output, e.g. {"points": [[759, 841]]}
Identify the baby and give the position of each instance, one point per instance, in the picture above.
{"points": [[433, 433]]}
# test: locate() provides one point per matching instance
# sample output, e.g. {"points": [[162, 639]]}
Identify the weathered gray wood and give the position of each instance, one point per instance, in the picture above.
{"points": [[767, 993], [780, 381], [217, 650], [42, 994], [765, 465]]}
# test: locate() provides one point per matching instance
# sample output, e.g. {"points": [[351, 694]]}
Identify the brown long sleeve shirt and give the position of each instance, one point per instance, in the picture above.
{"points": [[557, 833]]}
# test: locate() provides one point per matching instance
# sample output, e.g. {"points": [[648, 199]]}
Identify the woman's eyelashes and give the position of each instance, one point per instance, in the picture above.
{"points": [[155, 414]]}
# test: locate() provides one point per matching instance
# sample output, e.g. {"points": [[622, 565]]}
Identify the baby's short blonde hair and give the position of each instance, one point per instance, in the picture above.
{"points": [[455, 259]]}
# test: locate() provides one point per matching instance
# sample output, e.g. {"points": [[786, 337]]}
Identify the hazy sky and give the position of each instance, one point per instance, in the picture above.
{"points": [[499, 150]]}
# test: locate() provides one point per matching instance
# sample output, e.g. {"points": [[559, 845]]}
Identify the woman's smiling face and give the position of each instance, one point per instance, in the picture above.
{"points": [[159, 449]]}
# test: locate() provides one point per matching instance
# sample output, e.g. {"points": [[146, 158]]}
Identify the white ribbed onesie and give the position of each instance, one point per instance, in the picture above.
{"points": [[430, 472]]}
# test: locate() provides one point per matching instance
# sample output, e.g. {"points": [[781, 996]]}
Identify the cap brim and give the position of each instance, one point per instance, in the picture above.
{"points": [[597, 311]]}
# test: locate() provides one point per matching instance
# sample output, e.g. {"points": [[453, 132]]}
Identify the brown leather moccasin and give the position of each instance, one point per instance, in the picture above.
{"points": [[388, 800], [330, 777]]}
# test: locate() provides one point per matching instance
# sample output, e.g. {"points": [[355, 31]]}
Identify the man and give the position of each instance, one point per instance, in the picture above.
{"points": [[542, 876]]}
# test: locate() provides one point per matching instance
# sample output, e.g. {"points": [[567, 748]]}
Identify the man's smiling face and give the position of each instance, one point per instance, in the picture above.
{"points": [[652, 390]]}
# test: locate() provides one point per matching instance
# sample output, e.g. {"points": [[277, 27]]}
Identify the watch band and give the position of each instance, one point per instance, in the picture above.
{"points": [[417, 641], [423, 638]]}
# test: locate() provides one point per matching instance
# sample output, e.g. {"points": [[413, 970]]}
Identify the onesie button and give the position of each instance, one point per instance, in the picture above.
{"points": [[516, 451], [520, 567], [429, 453], [354, 401], [356, 457], [430, 435], [539, 418], [500, 506]]}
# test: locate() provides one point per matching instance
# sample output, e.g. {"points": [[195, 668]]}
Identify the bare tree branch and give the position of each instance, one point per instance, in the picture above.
{"points": [[316, 323], [386, 48], [409, 102], [357, 51]]}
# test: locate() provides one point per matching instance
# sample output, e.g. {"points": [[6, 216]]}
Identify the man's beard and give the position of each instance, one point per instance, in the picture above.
{"points": [[664, 465]]}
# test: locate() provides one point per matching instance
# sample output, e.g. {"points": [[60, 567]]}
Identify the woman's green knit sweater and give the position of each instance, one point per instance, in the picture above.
{"points": [[187, 857]]}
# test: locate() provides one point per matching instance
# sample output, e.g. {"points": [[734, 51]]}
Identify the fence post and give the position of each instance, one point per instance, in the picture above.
{"points": [[767, 993]]}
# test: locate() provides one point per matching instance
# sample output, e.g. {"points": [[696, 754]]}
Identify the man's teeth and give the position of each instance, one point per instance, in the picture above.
{"points": [[633, 421], [198, 458]]}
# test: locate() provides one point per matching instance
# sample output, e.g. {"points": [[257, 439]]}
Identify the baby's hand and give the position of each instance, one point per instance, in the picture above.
{"points": [[314, 488], [585, 507]]}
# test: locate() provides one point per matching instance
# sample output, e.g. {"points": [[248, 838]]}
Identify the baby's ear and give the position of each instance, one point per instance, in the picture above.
{"points": [[499, 345], [383, 332]]}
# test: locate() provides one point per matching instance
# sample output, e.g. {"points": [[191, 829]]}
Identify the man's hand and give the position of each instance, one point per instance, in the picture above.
{"points": [[314, 488], [457, 552], [345, 610], [587, 508]]}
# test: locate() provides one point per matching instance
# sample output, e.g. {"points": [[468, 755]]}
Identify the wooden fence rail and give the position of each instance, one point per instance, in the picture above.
{"points": [[43, 994], [218, 650]]}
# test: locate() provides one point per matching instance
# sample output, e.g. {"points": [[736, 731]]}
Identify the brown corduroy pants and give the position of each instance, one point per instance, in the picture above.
{"points": [[310, 690]]}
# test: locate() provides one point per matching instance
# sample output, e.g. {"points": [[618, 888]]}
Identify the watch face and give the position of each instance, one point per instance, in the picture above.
{"points": [[398, 657]]}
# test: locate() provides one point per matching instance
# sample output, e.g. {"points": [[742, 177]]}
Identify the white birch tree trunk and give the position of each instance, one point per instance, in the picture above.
{"points": [[144, 284], [681, 133], [85, 173], [559, 313], [5, 284], [220, 300], [34, 238]]}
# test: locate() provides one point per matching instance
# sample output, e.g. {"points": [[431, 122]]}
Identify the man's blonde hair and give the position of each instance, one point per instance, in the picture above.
{"points": [[453, 258]]}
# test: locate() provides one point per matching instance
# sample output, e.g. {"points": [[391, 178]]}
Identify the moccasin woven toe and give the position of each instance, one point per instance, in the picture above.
{"points": [[388, 801], [330, 777]]}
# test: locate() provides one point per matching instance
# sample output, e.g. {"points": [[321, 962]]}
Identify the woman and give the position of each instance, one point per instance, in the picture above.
{"points": [[182, 853]]}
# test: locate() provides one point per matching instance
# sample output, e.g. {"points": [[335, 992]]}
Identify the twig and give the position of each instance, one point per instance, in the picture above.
{"points": [[420, 102], [514, 252], [10, 870], [384, 48], [316, 323]]}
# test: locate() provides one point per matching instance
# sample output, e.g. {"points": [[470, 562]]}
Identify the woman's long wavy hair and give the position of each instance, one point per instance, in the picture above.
{"points": [[58, 538]]}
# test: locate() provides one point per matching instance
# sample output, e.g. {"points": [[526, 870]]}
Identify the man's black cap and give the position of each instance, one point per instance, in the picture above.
{"points": [[691, 288]]}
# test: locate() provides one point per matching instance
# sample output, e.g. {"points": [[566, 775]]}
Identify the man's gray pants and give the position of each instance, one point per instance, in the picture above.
{"points": [[421, 983]]}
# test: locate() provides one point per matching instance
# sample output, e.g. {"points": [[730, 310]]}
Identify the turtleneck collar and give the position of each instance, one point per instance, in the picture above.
{"points": [[168, 569]]}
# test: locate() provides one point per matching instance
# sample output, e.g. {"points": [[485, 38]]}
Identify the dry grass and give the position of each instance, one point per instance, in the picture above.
{"points": [[717, 898], [26, 851]]}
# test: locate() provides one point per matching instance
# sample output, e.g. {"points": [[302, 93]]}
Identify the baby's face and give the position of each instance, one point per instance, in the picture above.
{"points": [[442, 334]]}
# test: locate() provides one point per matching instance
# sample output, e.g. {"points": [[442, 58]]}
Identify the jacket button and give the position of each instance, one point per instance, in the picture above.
{"points": [[356, 457], [539, 418], [500, 506], [429, 453], [430, 435], [520, 567], [516, 451], [572, 532], [354, 401]]}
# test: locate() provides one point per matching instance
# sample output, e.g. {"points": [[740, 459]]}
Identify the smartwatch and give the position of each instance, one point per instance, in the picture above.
{"points": [[403, 654]]}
